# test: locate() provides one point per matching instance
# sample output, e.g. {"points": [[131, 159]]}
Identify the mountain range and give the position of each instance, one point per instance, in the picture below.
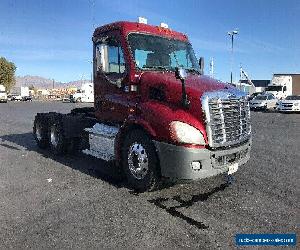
{"points": [[45, 83]]}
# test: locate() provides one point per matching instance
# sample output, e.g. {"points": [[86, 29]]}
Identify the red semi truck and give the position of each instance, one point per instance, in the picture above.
{"points": [[155, 113]]}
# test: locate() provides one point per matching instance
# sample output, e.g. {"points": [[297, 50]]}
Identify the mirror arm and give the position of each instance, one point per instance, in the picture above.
{"points": [[201, 65], [185, 100], [180, 73]]}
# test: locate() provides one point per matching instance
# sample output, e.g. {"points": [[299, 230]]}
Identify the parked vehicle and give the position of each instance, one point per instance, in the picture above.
{"points": [[25, 92], [283, 85], [26, 98], [155, 113], [15, 97], [9, 97], [3, 94], [263, 102], [252, 96], [290, 104], [84, 94], [66, 98]]}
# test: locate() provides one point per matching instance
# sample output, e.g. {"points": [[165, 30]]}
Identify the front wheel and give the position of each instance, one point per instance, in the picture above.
{"points": [[140, 162]]}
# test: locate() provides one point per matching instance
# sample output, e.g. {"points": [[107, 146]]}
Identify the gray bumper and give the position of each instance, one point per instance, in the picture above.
{"points": [[176, 161]]}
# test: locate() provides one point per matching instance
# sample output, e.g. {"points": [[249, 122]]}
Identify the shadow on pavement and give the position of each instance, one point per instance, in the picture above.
{"points": [[88, 165], [109, 173]]}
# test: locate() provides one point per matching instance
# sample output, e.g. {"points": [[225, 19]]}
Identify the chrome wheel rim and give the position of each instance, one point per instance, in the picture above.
{"points": [[38, 132], [138, 161], [53, 137]]}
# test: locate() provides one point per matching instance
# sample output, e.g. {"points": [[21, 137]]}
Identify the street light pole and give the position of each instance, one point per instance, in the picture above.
{"points": [[231, 34]]}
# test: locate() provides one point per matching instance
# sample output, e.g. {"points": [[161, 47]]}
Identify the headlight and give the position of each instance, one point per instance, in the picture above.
{"points": [[185, 133], [296, 104]]}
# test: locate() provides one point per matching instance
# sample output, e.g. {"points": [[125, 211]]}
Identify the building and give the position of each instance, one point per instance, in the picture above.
{"points": [[260, 85], [291, 81]]}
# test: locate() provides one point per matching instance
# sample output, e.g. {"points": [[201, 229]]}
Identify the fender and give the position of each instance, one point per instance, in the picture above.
{"points": [[133, 122]]}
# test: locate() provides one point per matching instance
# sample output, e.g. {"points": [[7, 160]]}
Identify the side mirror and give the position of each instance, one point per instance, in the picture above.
{"points": [[180, 73], [201, 65], [101, 58]]}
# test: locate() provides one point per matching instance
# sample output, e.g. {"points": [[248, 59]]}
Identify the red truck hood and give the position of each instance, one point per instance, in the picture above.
{"points": [[195, 85]]}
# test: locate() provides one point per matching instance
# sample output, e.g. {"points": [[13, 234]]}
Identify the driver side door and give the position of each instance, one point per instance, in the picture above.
{"points": [[110, 75]]}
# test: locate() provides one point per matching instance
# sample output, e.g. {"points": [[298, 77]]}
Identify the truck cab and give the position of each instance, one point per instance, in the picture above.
{"points": [[3, 94], [280, 86], [155, 113], [279, 91], [84, 94]]}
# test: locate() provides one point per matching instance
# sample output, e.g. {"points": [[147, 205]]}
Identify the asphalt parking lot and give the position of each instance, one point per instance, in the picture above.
{"points": [[80, 202]]}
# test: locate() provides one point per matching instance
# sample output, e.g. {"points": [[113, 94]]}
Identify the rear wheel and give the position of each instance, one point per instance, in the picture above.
{"points": [[140, 162], [40, 132], [57, 140]]}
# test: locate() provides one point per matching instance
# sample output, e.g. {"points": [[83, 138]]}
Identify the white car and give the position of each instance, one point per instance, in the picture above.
{"points": [[263, 102], [289, 104], [16, 97]]}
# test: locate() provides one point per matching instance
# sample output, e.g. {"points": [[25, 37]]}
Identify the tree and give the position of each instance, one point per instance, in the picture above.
{"points": [[7, 73]]}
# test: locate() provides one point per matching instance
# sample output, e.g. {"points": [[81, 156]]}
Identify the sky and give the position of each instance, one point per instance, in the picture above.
{"points": [[52, 39]]}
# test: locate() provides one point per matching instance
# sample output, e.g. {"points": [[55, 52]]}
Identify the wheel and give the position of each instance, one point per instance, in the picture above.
{"points": [[265, 108], [40, 132], [57, 141], [78, 99], [140, 162]]}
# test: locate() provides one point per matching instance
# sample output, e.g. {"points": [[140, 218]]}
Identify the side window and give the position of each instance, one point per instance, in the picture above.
{"points": [[115, 58], [110, 60]]}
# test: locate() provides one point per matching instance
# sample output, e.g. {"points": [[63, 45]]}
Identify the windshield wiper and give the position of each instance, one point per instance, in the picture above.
{"points": [[156, 67], [193, 70]]}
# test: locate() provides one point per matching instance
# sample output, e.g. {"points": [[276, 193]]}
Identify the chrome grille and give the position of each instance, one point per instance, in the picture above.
{"points": [[227, 118]]}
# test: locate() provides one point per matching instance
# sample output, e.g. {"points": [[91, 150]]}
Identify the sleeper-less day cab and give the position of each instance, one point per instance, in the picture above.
{"points": [[155, 113]]}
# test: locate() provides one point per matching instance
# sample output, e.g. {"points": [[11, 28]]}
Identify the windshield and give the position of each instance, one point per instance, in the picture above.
{"points": [[293, 97], [155, 52], [274, 88], [261, 97]]}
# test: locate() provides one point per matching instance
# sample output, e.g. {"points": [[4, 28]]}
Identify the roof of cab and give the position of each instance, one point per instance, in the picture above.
{"points": [[128, 27]]}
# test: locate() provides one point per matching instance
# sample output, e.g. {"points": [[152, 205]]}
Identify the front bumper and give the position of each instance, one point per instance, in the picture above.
{"points": [[257, 106], [176, 161], [289, 109]]}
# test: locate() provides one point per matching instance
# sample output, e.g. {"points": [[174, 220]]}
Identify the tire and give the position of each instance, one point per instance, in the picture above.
{"points": [[57, 141], [138, 149], [40, 132], [78, 99]]}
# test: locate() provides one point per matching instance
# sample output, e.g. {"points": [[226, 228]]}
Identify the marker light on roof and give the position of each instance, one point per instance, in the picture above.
{"points": [[164, 25], [143, 20]]}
